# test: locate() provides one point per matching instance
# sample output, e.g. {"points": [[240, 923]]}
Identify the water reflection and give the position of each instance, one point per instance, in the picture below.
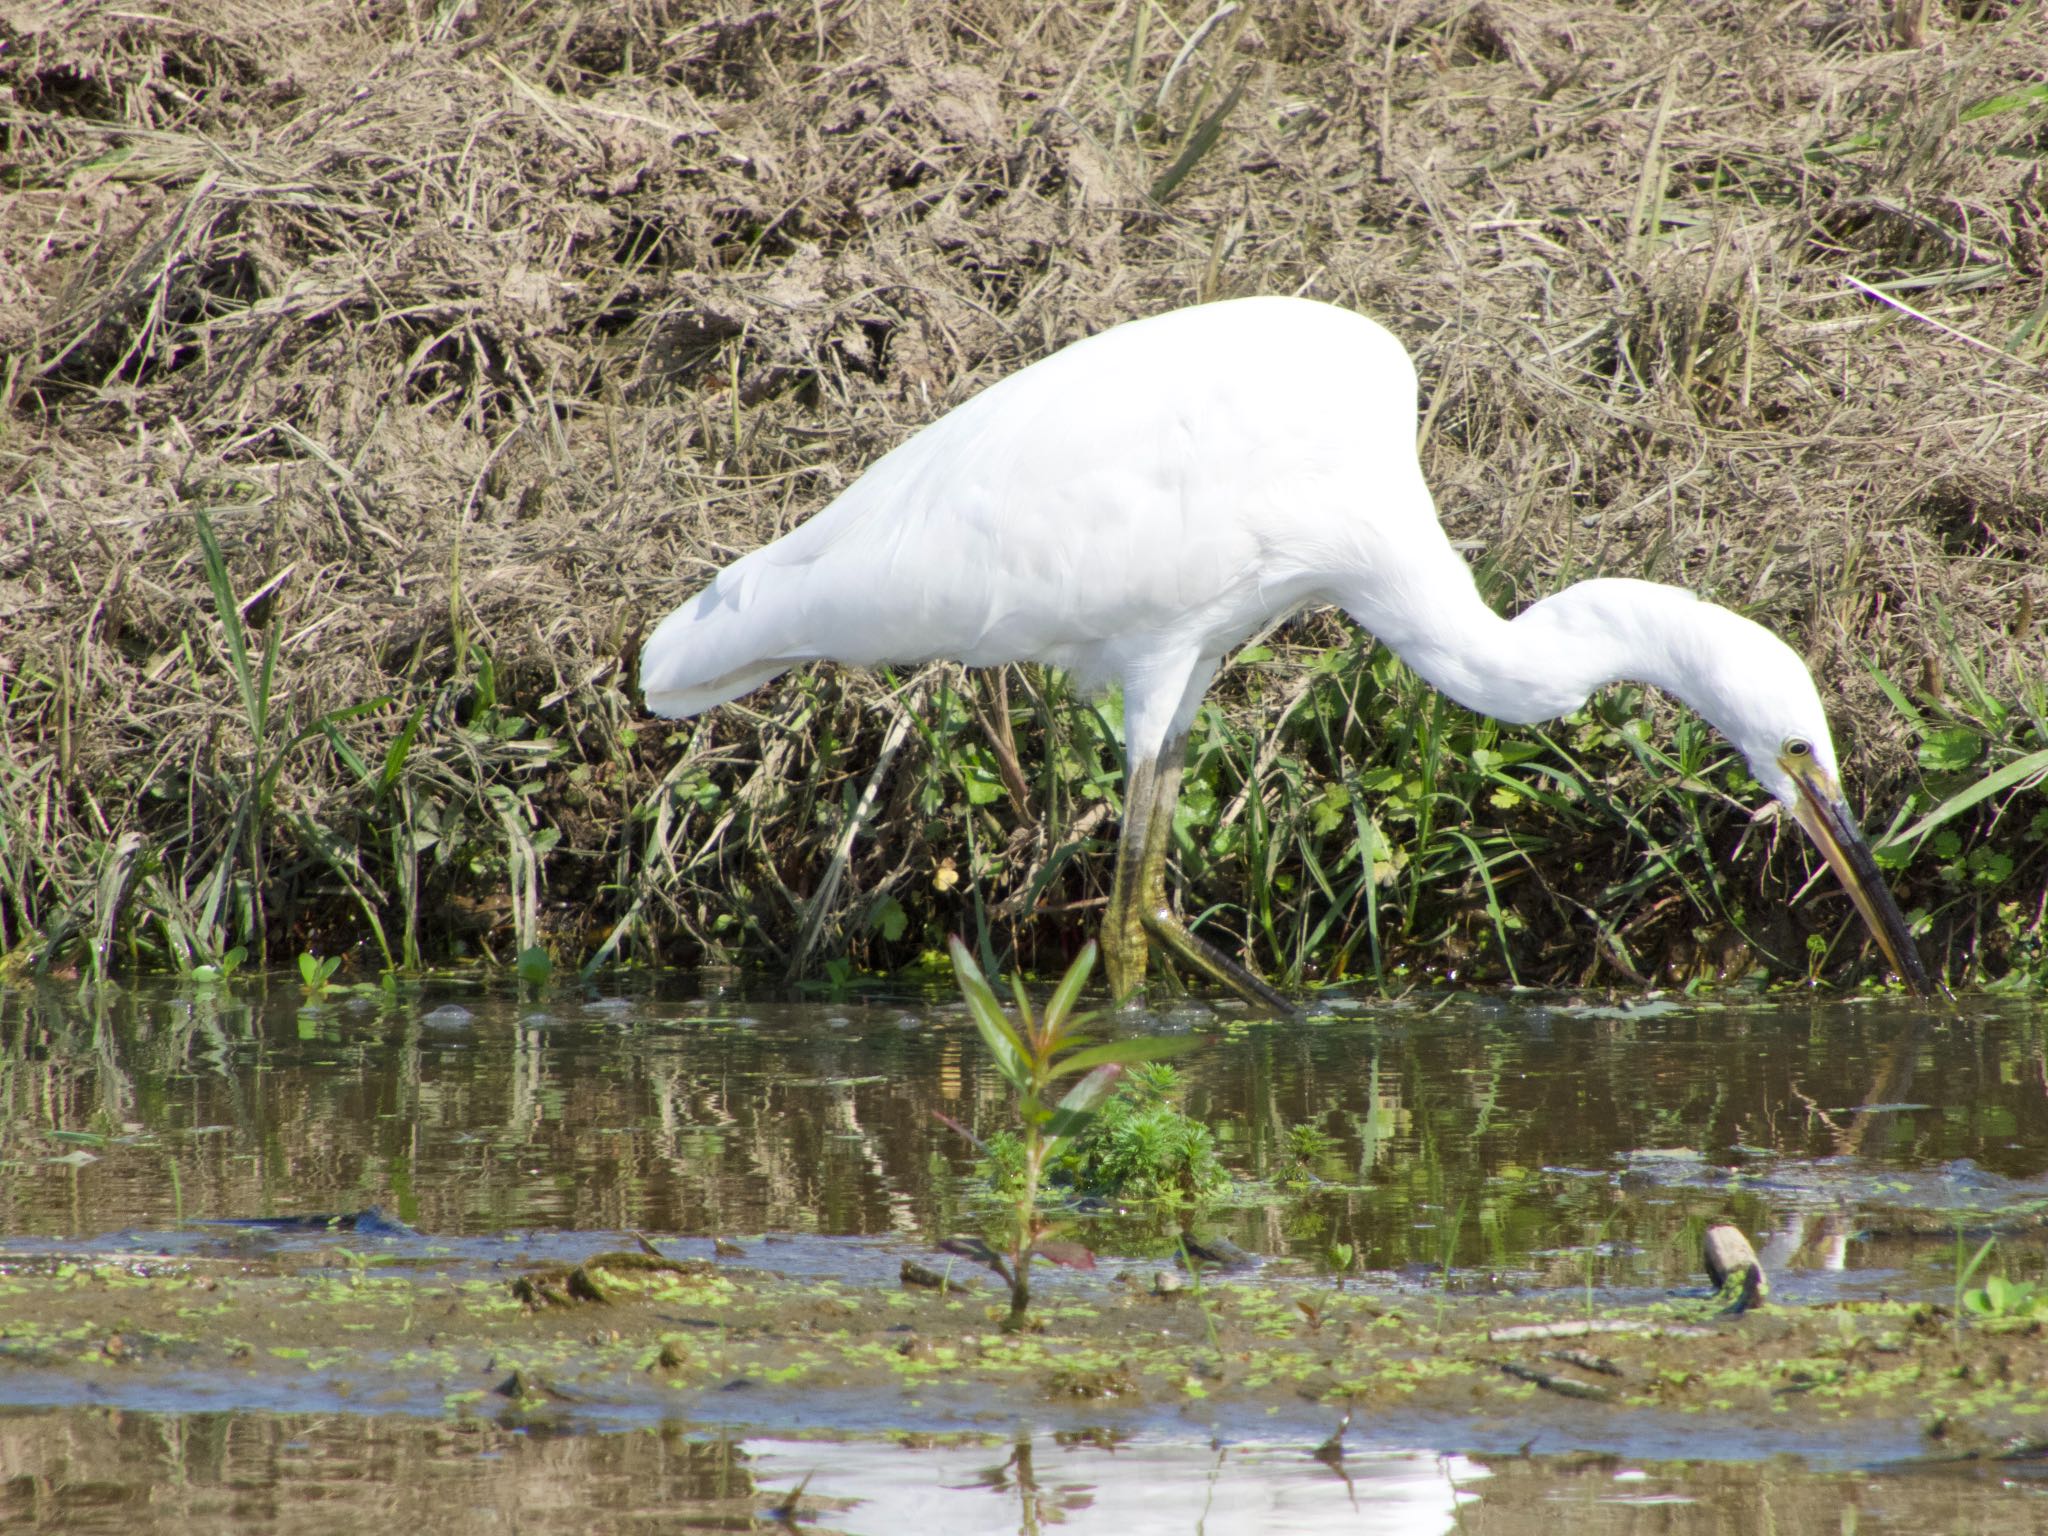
{"points": [[1476, 1136], [1086, 1483], [123, 1474]]}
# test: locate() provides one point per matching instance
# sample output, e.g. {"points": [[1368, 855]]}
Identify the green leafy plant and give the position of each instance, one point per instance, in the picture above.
{"points": [[315, 974], [1143, 1146], [839, 978], [1307, 1145], [1983, 760], [229, 963], [1033, 1053], [203, 929], [1999, 1300], [1343, 1259], [1967, 1268]]}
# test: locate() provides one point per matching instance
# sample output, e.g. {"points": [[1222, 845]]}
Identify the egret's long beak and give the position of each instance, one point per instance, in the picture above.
{"points": [[1827, 821]]}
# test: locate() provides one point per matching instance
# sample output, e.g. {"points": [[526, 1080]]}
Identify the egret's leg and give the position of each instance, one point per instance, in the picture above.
{"points": [[1144, 889], [1123, 929]]}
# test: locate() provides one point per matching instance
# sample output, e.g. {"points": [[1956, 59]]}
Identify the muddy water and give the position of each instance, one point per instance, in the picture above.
{"points": [[155, 1475], [1454, 1146]]}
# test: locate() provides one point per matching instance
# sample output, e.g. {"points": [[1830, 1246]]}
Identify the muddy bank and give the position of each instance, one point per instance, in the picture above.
{"points": [[624, 1340], [482, 336]]}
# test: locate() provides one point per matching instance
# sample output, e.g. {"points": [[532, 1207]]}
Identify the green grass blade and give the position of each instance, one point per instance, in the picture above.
{"points": [[400, 750], [1023, 1001], [324, 726], [230, 618], [2027, 771], [350, 757], [266, 675], [347, 868], [1200, 142], [1897, 695], [1500, 927], [2008, 101]]}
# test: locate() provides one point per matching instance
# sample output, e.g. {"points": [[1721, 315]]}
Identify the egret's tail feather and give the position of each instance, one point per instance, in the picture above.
{"points": [[727, 640], [676, 702]]}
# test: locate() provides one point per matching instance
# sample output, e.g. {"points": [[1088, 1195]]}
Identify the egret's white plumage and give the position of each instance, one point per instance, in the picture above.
{"points": [[1136, 505]]}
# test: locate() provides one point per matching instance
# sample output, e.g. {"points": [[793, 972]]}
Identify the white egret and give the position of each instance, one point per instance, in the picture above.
{"points": [[1135, 505]]}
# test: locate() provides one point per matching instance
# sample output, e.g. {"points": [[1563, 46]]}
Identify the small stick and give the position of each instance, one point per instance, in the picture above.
{"points": [[1563, 1386], [1947, 330], [1579, 1330]]}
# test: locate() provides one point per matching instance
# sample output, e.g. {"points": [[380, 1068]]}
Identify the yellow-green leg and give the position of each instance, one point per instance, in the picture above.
{"points": [[1138, 907], [1123, 940]]}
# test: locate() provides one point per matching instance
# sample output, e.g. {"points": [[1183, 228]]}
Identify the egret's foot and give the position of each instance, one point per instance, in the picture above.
{"points": [[1205, 959], [1124, 946], [1124, 962], [1138, 909], [1124, 952]]}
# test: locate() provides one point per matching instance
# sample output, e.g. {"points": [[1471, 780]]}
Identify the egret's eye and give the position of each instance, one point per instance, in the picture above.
{"points": [[1798, 748]]}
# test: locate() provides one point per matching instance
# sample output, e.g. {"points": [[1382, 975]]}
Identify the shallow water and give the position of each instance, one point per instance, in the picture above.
{"points": [[1470, 1143], [147, 1475]]}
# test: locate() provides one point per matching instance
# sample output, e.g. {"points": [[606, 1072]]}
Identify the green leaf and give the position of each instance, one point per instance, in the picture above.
{"points": [[253, 703], [1023, 1001], [1069, 990], [1087, 1095], [1895, 693], [1990, 867], [1993, 106], [2034, 766], [1330, 809], [324, 726], [1126, 1053], [534, 965], [1002, 1041], [1078, 1107], [349, 756], [399, 750], [271, 640], [1200, 142], [888, 918], [1947, 751], [1977, 1259]]}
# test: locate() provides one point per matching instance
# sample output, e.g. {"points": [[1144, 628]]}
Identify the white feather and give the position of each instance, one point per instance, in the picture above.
{"points": [[1132, 507]]}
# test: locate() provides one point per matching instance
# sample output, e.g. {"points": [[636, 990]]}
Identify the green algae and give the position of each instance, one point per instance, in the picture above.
{"points": [[685, 1333]]}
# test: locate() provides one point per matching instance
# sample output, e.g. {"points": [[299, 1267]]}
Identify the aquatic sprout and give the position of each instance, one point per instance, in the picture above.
{"points": [[1033, 1053]]}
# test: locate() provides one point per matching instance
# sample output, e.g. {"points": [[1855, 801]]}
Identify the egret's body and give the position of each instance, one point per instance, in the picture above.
{"points": [[1134, 506]]}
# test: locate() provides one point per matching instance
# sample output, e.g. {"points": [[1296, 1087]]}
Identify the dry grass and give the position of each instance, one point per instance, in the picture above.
{"points": [[484, 331]]}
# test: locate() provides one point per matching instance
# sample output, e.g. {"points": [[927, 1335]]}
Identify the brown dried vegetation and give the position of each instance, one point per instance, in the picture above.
{"points": [[482, 332]]}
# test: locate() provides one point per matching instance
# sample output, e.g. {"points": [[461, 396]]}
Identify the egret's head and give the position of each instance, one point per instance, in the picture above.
{"points": [[1767, 705]]}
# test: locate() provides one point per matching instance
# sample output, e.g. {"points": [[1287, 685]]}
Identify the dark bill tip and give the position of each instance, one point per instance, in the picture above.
{"points": [[1833, 828]]}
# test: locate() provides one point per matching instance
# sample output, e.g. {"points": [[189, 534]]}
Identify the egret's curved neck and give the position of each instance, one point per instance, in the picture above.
{"points": [[1549, 658]]}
